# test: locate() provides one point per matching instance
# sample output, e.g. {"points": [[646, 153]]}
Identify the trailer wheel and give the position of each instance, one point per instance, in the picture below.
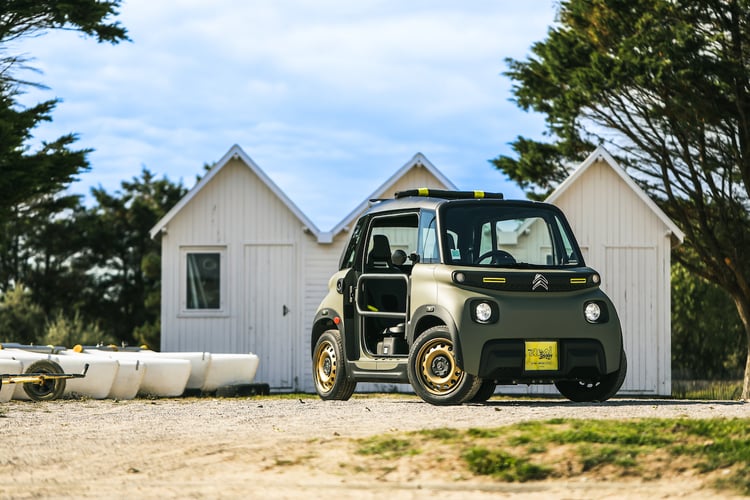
{"points": [[49, 389]]}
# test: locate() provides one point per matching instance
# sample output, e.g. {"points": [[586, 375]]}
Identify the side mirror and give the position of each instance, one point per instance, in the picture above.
{"points": [[398, 258]]}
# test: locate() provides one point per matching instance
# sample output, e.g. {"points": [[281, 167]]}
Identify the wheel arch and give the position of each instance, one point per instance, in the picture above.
{"points": [[322, 323], [428, 316]]}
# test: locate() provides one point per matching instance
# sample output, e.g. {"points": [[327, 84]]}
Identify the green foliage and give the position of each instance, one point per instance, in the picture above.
{"points": [[148, 334], [26, 172], [98, 264], [125, 290], [664, 84], [66, 331], [727, 390], [21, 320], [19, 18], [707, 334]]}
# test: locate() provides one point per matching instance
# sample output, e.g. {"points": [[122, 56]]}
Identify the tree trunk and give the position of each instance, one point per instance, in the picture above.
{"points": [[743, 307]]}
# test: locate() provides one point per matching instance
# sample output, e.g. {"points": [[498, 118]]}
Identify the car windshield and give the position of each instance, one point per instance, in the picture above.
{"points": [[506, 235]]}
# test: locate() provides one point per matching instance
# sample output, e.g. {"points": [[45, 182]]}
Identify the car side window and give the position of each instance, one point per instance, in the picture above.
{"points": [[388, 234], [348, 258], [428, 251]]}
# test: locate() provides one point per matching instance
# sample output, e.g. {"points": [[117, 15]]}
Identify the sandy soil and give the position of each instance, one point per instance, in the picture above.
{"points": [[288, 448]]}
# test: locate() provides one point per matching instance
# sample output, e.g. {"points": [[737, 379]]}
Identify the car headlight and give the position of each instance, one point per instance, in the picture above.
{"points": [[596, 312], [592, 312], [483, 311]]}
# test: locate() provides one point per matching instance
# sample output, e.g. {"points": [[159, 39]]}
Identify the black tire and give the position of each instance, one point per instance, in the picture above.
{"points": [[434, 373], [49, 389], [329, 368], [485, 392], [601, 390]]}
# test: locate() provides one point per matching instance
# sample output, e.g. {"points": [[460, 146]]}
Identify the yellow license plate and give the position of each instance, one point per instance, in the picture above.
{"points": [[541, 356]]}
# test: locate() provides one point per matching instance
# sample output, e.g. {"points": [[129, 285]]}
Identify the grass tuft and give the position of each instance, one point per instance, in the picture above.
{"points": [[386, 447], [503, 466]]}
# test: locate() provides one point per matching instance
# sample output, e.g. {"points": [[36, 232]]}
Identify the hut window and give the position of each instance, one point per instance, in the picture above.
{"points": [[203, 290]]}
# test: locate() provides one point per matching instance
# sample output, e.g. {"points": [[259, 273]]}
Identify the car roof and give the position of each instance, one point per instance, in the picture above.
{"points": [[432, 199]]}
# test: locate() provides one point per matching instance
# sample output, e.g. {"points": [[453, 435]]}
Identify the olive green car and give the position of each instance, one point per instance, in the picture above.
{"points": [[457, 292]]}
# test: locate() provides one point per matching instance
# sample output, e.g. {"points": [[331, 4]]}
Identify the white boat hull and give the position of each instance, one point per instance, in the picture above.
{"points": [[200, 364], [230, 369], [96, 384], [127, 374], [162, 377], [9, 367]]}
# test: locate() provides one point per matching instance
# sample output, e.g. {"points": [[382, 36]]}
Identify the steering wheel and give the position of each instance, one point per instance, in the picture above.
{"points": [[498, 257]]}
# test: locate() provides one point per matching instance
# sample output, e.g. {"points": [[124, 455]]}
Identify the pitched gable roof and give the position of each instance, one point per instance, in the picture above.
{"points": [[235, 152], [384, 190], [601, 154]]}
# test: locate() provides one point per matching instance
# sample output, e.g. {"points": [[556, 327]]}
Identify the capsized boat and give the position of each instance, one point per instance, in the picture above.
{"points": [[8, 366], [213, 370], [127, 381], [162, 377], [96, 384], [209, 371], [230, 369]]}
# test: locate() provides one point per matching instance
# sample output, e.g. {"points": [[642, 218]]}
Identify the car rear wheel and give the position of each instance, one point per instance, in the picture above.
{"points": [[434, 373], [329, 368], [592, 391]]}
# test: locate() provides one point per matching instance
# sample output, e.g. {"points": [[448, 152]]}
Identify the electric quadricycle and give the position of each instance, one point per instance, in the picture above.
{"points": [[457, 292]]}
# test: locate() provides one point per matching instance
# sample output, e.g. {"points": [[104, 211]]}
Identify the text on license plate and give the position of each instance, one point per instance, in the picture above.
{"points": [[541, 356]]}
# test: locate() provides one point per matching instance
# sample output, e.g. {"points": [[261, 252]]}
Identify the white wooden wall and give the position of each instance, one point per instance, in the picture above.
{"points": [[264, 247], [629, 245]]}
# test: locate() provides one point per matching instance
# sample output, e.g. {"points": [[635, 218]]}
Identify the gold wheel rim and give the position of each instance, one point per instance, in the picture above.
{"points": [[326, 366], [437, 367]]}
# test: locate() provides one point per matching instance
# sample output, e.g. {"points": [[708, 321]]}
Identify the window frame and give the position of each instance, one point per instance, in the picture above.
{"points": [[222, 310]]}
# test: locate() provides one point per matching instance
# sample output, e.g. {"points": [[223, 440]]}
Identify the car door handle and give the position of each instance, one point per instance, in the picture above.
{"points": [[284, 310]]}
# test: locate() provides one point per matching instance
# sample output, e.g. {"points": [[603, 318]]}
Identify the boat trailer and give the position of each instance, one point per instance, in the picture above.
{"points": [[43, 380]]}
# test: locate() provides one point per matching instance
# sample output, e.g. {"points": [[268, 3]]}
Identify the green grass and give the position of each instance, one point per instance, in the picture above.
{"points": [[646, 448], [727, 390], [502, 465], [386, 447]]}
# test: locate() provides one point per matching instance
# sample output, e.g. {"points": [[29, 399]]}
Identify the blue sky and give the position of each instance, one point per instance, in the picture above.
{"points": [[329, 97]]}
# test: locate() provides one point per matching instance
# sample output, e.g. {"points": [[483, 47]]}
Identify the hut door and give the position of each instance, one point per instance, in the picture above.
{"points": [[270, 288], [630, 281]]}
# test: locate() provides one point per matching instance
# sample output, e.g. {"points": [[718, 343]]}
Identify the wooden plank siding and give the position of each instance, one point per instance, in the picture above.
{"points": [[630, 247], [232, 211]]}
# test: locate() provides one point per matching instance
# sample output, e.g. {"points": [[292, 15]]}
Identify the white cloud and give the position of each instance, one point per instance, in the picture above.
{"points": [[319, 93]]}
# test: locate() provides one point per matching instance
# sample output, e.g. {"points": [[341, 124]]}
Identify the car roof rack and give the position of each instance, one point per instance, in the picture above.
{"points": [[448, 195]]}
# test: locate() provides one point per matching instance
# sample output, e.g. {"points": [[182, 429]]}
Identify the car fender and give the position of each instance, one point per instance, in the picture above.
{"points": [[324, 321], [429, 315]]}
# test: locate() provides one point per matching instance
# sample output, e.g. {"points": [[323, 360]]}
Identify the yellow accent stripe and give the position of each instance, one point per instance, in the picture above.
{"points": [[491, 279], [423, 192], [372, 308], [478, 194], [577, 281]]}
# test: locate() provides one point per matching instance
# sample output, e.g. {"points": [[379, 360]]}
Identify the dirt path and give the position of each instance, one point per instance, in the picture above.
{"points": [[285, 448]]}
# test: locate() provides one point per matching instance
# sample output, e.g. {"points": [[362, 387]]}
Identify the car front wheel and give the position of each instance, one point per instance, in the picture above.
{"points": [[434, 373], [329, 368]]}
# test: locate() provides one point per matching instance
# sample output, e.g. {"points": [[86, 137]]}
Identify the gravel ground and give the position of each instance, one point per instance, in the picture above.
{"points": [[282, 448]]}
